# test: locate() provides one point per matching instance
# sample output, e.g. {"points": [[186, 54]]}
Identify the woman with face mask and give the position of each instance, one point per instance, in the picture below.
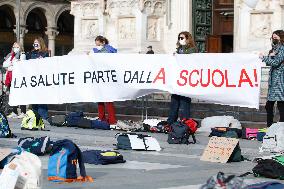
{"points": [[102, 46], [16, 55], [275, 60], [39, 51], [185, 45]]}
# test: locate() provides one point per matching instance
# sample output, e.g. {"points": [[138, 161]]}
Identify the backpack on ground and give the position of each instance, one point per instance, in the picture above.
{"points": [[38, 146], [225, 132], [133, 141], [236, 155], [249, 133], [98, 124], [180, 134], [23, 172], [265, 185], [128, 125], [224, 181], [269, 168], [32, 121], [72, 119], [192, 124], [99, 157], [5, 131], [63, 161], [273, 141], [260, 134], [58, 120]]}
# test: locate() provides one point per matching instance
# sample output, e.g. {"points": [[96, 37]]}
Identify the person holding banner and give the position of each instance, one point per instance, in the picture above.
{"points": [[185, 45], [16, 54], [275, 59], [39, 51], [102, 46]]}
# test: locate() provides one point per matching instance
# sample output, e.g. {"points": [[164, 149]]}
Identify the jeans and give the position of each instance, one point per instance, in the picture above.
{"points": [[111, 112], [179, 103], [270, 113], [41, 109]]}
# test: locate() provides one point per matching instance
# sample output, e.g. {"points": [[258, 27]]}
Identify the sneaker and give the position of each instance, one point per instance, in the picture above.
{"points": [[114, 126], [21, 116], [12, 115]]}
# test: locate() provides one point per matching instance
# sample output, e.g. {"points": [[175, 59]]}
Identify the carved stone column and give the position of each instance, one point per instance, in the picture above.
{"points": [[88, 23], [51, 34], [23, 31]]}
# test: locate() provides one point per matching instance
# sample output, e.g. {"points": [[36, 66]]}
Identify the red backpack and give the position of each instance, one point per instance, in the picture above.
{"points": [[191, 123]]}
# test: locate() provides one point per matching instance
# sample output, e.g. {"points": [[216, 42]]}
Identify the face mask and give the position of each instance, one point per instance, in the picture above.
{"points": [[16, 50], [99, 47], [36, 45], [182, 41]]}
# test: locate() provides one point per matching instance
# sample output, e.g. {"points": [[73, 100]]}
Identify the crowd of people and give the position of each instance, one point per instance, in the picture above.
{"points": [[179, 105]]}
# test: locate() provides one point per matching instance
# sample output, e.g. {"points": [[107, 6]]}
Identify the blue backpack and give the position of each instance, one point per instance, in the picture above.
{"points": [[102, 157], [266, 185], [38, 146], [73, 118], [5, 131], [63, 161]]}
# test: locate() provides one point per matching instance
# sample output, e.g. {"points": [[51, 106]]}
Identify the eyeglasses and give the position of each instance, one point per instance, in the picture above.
{"points": [[36, 45], [180, 38]]}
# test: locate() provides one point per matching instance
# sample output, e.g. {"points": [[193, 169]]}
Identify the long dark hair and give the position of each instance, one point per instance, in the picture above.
{"points": [[189, 40], [102, 39]]}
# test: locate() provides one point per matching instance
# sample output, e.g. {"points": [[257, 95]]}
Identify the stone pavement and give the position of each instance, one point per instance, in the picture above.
{"points": [[175, 167]]}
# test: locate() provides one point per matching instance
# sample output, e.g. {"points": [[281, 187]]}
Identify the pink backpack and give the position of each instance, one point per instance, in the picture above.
{"points": [[250, 133]]}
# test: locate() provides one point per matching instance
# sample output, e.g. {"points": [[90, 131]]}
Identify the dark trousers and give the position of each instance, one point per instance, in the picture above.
{"points": [[179, 103], [270, 113], [23, 109], [41, 109]]}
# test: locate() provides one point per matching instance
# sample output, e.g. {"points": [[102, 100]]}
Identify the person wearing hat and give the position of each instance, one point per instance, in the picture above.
{"points": [[150, 51]]}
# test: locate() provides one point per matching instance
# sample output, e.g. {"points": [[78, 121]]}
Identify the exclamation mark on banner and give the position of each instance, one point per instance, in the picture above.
{"points": [[255, 77]]}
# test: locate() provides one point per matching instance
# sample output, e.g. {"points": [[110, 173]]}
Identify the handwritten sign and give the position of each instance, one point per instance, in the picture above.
{"points": [[219, 149]]}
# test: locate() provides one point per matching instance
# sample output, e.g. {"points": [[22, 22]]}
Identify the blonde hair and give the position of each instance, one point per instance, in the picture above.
{"points": [[20, 45]]}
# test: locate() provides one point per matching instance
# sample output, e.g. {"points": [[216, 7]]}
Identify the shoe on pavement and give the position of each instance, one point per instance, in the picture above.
{"points": [[21, 116], [12, 115], [113, 126]]}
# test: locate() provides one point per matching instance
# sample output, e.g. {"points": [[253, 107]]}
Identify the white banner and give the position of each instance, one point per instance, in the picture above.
{"points": [[229, 79]]}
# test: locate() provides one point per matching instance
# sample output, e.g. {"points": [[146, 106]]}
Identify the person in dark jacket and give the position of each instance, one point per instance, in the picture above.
{"points": [[185, 45], [150, 50], [39, 51], [275, 60], [102, 46]]}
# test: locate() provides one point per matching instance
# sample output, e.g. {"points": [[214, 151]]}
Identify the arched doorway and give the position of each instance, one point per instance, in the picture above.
{"points": [[7, 35], [64, 42], [36, 25]]}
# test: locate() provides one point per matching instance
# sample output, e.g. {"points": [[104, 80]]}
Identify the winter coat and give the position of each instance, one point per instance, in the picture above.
{"points": [[276, 75]]}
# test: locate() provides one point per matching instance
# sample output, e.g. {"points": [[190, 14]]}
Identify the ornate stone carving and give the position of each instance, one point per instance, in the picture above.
{"points": [[153, 7], [126, 29], [87, 8], [152, 29], [121, 7], [90, 28], [261, 24]]}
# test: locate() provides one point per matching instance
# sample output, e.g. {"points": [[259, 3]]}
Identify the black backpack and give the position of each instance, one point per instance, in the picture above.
{"points": [[180, 134], [102, 157], [269, 168]]}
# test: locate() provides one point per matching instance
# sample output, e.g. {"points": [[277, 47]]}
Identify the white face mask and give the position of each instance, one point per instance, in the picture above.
{"points": [[182, 42], [99, 47], [16, 49]]}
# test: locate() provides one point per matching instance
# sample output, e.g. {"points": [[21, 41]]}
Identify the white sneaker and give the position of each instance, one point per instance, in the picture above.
{"points": [[12, 115], [21, 116], [114, 126]]}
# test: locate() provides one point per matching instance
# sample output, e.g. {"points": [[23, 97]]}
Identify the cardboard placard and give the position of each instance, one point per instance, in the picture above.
{"points": [[4, 152], [219, 149]]}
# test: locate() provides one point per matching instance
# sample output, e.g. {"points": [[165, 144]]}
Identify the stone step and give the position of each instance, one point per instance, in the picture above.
{"points": [[161, 108]]}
